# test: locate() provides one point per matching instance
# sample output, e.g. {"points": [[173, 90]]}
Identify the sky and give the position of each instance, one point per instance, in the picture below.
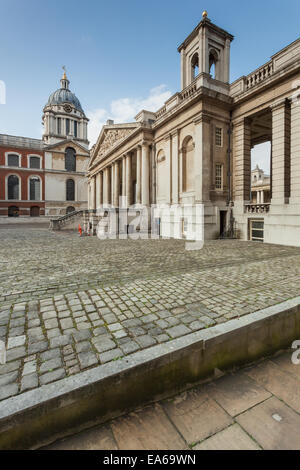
{"points": [[121, 56]]}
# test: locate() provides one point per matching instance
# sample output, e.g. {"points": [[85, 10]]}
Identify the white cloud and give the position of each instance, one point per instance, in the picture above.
{"points": [[124, 110]]}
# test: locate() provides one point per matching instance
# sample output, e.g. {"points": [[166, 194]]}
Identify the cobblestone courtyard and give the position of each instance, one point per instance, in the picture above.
{"points": [[68, 304]]}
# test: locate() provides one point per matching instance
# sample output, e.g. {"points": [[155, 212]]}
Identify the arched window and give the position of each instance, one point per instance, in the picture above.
{"points": [[34, 162], [13, 211], [13, 187], [213, 59], [70, 159], [70, 209], [13, 159], [70, 190], [188, 164], [195, 65], [34, 188]]}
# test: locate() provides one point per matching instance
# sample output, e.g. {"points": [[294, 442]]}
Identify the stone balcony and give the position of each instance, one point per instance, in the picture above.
{"points": [[257, 208]]}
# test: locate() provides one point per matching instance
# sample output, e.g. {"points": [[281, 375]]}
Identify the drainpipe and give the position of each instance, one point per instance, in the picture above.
{"points": [[229, 197]]}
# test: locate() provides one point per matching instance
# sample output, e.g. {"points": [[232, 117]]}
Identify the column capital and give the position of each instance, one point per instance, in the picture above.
{"points": [[279, 104], [202, 117]]}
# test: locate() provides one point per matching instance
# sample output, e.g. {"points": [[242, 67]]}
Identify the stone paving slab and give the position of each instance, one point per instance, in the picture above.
{"points": [[197, 417], [68, 304]]}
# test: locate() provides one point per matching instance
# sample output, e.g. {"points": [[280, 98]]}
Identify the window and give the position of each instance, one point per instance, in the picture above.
{"points": [[70, 159], [70, 210], [70, 189], [12, 160], [219, 137], [213, 60], [75, 128], [67, 126], [13, 187], [13, 211], [219, 176], [59, 126], [34, 162], [257, 230], [195, 65], [34, 188]]}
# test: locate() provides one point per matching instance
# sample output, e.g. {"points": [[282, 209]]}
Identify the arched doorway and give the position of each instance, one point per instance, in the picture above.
{"points": [[70, 209], [34, 211], [13, 211]]}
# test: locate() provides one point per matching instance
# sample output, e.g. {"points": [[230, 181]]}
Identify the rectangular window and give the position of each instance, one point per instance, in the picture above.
{"points": [[35, 162], [67, 126], [256, 230], [219, 176], [59, 126], [219, 137], [75, 128]]}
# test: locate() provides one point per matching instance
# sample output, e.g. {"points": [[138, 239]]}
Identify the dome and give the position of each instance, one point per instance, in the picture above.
{"points": [[62, 96]]}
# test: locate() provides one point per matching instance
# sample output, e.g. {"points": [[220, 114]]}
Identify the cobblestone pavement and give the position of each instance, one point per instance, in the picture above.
{"points": [[70, 303], [255, 408]]}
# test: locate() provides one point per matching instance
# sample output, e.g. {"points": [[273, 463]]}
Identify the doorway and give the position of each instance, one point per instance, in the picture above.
{"points": [[223, 217]]}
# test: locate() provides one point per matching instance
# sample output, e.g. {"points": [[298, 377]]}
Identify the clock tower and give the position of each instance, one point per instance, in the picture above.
{"points": [[63, 117]]}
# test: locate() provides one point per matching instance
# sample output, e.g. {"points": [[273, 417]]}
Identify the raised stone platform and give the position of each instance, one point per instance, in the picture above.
{"points": [[69, 304]]}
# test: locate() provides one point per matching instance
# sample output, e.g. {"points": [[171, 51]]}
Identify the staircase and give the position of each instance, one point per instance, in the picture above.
{"points": [[68, 222]]}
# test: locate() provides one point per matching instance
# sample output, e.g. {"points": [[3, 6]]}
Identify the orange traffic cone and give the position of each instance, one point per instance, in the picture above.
{"points": [[80, 230]]}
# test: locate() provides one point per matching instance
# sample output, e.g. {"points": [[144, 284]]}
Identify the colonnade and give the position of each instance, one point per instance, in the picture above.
{"points": [[126, 179]]}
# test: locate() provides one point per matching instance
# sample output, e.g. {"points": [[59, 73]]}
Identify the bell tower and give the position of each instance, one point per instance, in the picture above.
{"points": [[205, 51]]}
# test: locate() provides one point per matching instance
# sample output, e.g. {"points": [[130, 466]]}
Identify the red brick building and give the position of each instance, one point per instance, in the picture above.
{"points": [[22, 176]]}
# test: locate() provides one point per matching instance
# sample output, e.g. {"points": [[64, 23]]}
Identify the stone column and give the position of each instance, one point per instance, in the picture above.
{"points": [[145, 174], [116, 184], [112, 184], [295, 151], [138, 175], [242, 160], [99, 190], [93, 193], [175, 167], [262, 197], [128, 179], [281, 128]]}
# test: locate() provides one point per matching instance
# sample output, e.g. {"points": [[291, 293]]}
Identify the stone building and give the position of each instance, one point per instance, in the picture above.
{"points": [[196, 149], [260, 187], [47, 177]]}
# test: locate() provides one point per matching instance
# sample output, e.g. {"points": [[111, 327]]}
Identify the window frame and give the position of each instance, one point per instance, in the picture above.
{"points": [[36, 156], [217, 128], [221, 176], [13, 153], [70, 200], [28, 188], [6, 187]]}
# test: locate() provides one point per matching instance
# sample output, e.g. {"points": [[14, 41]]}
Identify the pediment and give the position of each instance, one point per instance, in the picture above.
{"points": [[108, 139]]}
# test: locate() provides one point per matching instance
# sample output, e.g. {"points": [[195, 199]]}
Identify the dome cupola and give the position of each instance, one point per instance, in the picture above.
{"points": [[63, 116]]}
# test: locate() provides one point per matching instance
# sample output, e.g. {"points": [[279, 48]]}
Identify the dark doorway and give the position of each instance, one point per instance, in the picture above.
{"points": [[34, 211], [223, 216], [13, 211]]}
